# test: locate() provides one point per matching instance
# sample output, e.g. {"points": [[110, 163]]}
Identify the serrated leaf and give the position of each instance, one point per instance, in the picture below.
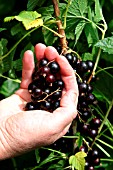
{"points": [[29, 19], [106, 45], [78, 7], [98, 12], [8, 19], [77, 161], [79, 28]]}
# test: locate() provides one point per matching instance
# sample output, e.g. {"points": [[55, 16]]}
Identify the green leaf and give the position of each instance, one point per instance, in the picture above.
{"points": [[2, 29], [29, 19], [98, 12], [37, 155], [3, 46], [79, 140], [103, 85], [9, 87], [18, 29], [106, 45], [78, 7], [91, 34], [49, 37], [87, 56], [77, 161], [79, 28], [33, 3]]}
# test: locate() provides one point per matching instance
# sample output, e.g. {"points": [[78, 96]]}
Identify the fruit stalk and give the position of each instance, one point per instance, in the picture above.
{"points": [[61, 31]]}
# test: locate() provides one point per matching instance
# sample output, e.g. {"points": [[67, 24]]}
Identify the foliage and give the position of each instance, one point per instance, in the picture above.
{"points": [[88, 25]]}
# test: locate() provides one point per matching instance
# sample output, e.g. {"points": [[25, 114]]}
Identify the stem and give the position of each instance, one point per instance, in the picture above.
{"points": [[106, 144], [108, 160], [61, 31], [102, 69], [15, 80], [6, 55], [105, 118], [61, 36], [65, 16]]}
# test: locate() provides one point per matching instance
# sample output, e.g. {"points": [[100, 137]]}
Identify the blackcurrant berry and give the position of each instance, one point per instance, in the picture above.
{"points": [[83, 148], [95, 123], [50, 78], [90, 98], [82, 87], [82, 67], [31, 86], [96, 162], [90, 64], [56, 104], [54, 67], [45, 105], [93, 133], [30, 106], [89, 88], [37, 92], [43, 62], [58, 84], [45, 70], [69, 57], [85, 115], [91, 168], [56, 95]]}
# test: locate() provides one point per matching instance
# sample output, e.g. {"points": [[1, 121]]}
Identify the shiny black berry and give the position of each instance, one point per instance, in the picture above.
{"points": [[43, 62], [54, 67]]}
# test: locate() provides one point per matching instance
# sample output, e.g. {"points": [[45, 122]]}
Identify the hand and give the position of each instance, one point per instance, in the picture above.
{"points": [[22, 131]]}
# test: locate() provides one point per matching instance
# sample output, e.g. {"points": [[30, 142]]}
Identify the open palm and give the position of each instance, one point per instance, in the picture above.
{"points": [[22, 131]]}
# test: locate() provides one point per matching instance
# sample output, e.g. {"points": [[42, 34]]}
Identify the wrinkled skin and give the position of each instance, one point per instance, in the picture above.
{"points": [[22, 131]]}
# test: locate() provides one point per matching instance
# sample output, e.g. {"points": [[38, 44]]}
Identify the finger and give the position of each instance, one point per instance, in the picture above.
{"points": [[27, 70], [39, 51], [64, 115], [67, 72]]}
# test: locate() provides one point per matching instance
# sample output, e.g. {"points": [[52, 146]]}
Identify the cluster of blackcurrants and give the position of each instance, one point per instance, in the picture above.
{"points": [[46, 91], [46, 86], [88, 123]]}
